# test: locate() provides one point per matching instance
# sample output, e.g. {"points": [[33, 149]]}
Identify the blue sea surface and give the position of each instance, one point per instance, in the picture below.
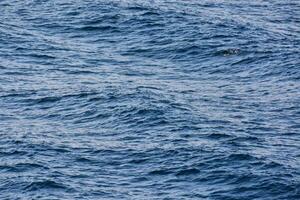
{"points": [[149, 99]]}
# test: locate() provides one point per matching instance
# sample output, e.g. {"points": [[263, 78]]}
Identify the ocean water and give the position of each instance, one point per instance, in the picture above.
{"points": [[149, 99]]}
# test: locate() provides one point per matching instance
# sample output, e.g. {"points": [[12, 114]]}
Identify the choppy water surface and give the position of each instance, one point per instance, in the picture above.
{"points": [[158, 99]]}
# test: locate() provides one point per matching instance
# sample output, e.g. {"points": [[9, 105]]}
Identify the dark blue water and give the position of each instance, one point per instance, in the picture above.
{"points": [[149, 99]]}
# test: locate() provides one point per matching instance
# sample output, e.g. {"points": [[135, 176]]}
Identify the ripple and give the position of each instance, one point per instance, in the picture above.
{"points": [[46, 184], [187, 172]]}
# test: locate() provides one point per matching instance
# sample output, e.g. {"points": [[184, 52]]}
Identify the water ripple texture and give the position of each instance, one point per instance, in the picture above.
{"points": [[149, 99]]}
